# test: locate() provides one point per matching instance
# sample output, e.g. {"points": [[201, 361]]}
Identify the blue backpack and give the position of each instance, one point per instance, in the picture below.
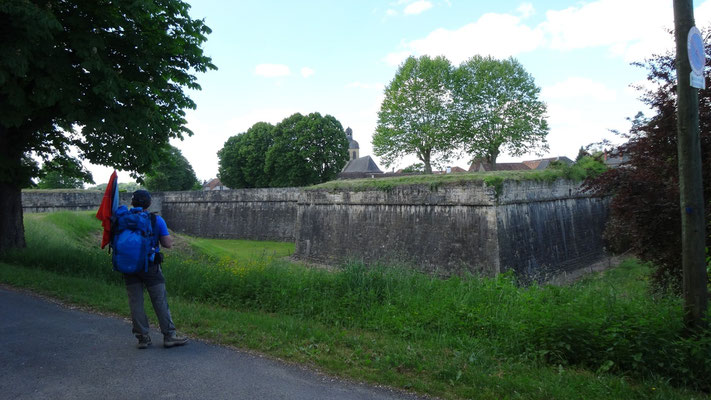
{"points": [[133, 241]]}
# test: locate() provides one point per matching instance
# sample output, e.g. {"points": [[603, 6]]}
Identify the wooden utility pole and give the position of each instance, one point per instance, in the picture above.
{"points": [[690, 183]]}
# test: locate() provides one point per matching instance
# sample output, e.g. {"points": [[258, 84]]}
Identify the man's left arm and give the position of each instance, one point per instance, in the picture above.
{"points": [[163, 235]]}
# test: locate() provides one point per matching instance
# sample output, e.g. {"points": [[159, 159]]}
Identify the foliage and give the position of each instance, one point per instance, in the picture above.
{"points": [[106, 78], [582, 153], [128, 187], [306, 150], [242, 158], [63, 173], [452, 330], [416, 167], [644, 212], [498, 109], [172, 171], [416, 114]]}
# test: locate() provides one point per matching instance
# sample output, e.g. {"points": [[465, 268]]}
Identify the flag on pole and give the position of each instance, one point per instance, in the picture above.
{"points": [[108, 207]]}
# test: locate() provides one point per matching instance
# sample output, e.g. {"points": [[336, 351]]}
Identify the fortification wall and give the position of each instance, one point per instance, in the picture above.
{"points": [[257, 214], [548, 229], [34, 201], [537, 229], [444, 231]]}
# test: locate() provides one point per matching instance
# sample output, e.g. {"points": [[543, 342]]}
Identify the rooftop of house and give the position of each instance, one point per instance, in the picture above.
{"points": [[480, 165], [363, 164]]}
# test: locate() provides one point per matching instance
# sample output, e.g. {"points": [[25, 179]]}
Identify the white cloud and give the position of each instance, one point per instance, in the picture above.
{"points": [[498, 35], [526, 10], [307, 72], [575, 87], [361, 85], [272, 70], [631, 29], [417, 7], [390, 12]]}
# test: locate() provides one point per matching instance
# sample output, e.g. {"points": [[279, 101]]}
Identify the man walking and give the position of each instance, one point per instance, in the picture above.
{"points": [[154, 283]]}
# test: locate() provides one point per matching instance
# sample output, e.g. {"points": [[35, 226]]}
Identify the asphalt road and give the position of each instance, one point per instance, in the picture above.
{"points": [[48, 351]]}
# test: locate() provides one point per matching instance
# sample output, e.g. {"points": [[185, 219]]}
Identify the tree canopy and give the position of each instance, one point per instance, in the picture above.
{"points": [[104, 77], [63, 173], [242, 158], [307, 150], [171, 172], [416, 114], [644, 211], [498, 109], [301, 150], [481, 108]]}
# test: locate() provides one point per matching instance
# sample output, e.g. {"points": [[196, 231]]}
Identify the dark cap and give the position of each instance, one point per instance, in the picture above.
{"points": [[141, 198]]}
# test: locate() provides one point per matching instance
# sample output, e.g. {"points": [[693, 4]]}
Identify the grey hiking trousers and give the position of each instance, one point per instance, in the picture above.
{"points": [[154, 283]]}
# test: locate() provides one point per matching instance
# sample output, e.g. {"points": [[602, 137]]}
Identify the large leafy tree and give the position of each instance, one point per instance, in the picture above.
{"points": [[416, 114], [498, 109], [645, 204], [306, 150], [172, 171], [62, 174], [104, 77], [242, 158]]}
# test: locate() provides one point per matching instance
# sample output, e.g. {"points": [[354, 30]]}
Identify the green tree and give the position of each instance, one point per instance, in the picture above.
{"points": [[416, 114], [498, 109], [242, 159], [306, 150], [171, 172], [63, 173], [104, 77], [416, 167]]}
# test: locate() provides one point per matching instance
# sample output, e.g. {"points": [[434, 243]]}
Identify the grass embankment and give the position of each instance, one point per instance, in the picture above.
{"points": [[494, 179], [463, 337]]}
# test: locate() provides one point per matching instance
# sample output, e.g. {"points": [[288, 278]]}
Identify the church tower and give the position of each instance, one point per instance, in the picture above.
{"points": [[353, 148]]}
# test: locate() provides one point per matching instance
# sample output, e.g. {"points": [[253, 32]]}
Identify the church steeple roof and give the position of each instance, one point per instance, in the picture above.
{"points": [[352, 144]]}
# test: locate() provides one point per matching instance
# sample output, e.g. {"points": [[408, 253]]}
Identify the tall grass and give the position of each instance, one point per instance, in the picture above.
{"points": [[606, 324]]}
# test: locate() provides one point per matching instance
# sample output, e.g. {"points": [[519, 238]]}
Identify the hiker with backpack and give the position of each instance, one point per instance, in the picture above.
{"points": [[136, 237]]}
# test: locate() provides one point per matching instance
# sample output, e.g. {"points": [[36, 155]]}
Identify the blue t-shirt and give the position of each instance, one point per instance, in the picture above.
{"points": [[161, 229]]}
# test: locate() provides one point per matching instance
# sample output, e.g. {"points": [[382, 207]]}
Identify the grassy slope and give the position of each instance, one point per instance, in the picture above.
{"points": [[399, 329], [494, 179]]}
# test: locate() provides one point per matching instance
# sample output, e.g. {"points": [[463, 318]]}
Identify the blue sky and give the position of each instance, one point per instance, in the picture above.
{"points": [[276, 58]]}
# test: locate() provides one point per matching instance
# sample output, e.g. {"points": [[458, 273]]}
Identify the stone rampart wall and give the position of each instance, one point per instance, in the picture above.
{"points": [[536, 229], [257, 214], [34, 201]]}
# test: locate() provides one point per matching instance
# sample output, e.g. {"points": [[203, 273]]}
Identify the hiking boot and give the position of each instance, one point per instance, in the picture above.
{"points": [[175, 340], [144, 341]]}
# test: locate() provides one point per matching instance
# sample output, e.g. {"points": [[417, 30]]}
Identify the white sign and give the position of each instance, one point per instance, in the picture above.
{"points": [[697, 57]]}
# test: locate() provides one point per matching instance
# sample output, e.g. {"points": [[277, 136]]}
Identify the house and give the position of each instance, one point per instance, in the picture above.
{"points": [[614, 160], [544, 163], [480, 165], [364, 165], [214, 184]]}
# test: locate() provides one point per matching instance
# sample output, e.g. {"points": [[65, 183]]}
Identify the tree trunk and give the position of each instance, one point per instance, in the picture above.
{"points": [[12, 232], [426, 160], [491, 159], [690, 181]]}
